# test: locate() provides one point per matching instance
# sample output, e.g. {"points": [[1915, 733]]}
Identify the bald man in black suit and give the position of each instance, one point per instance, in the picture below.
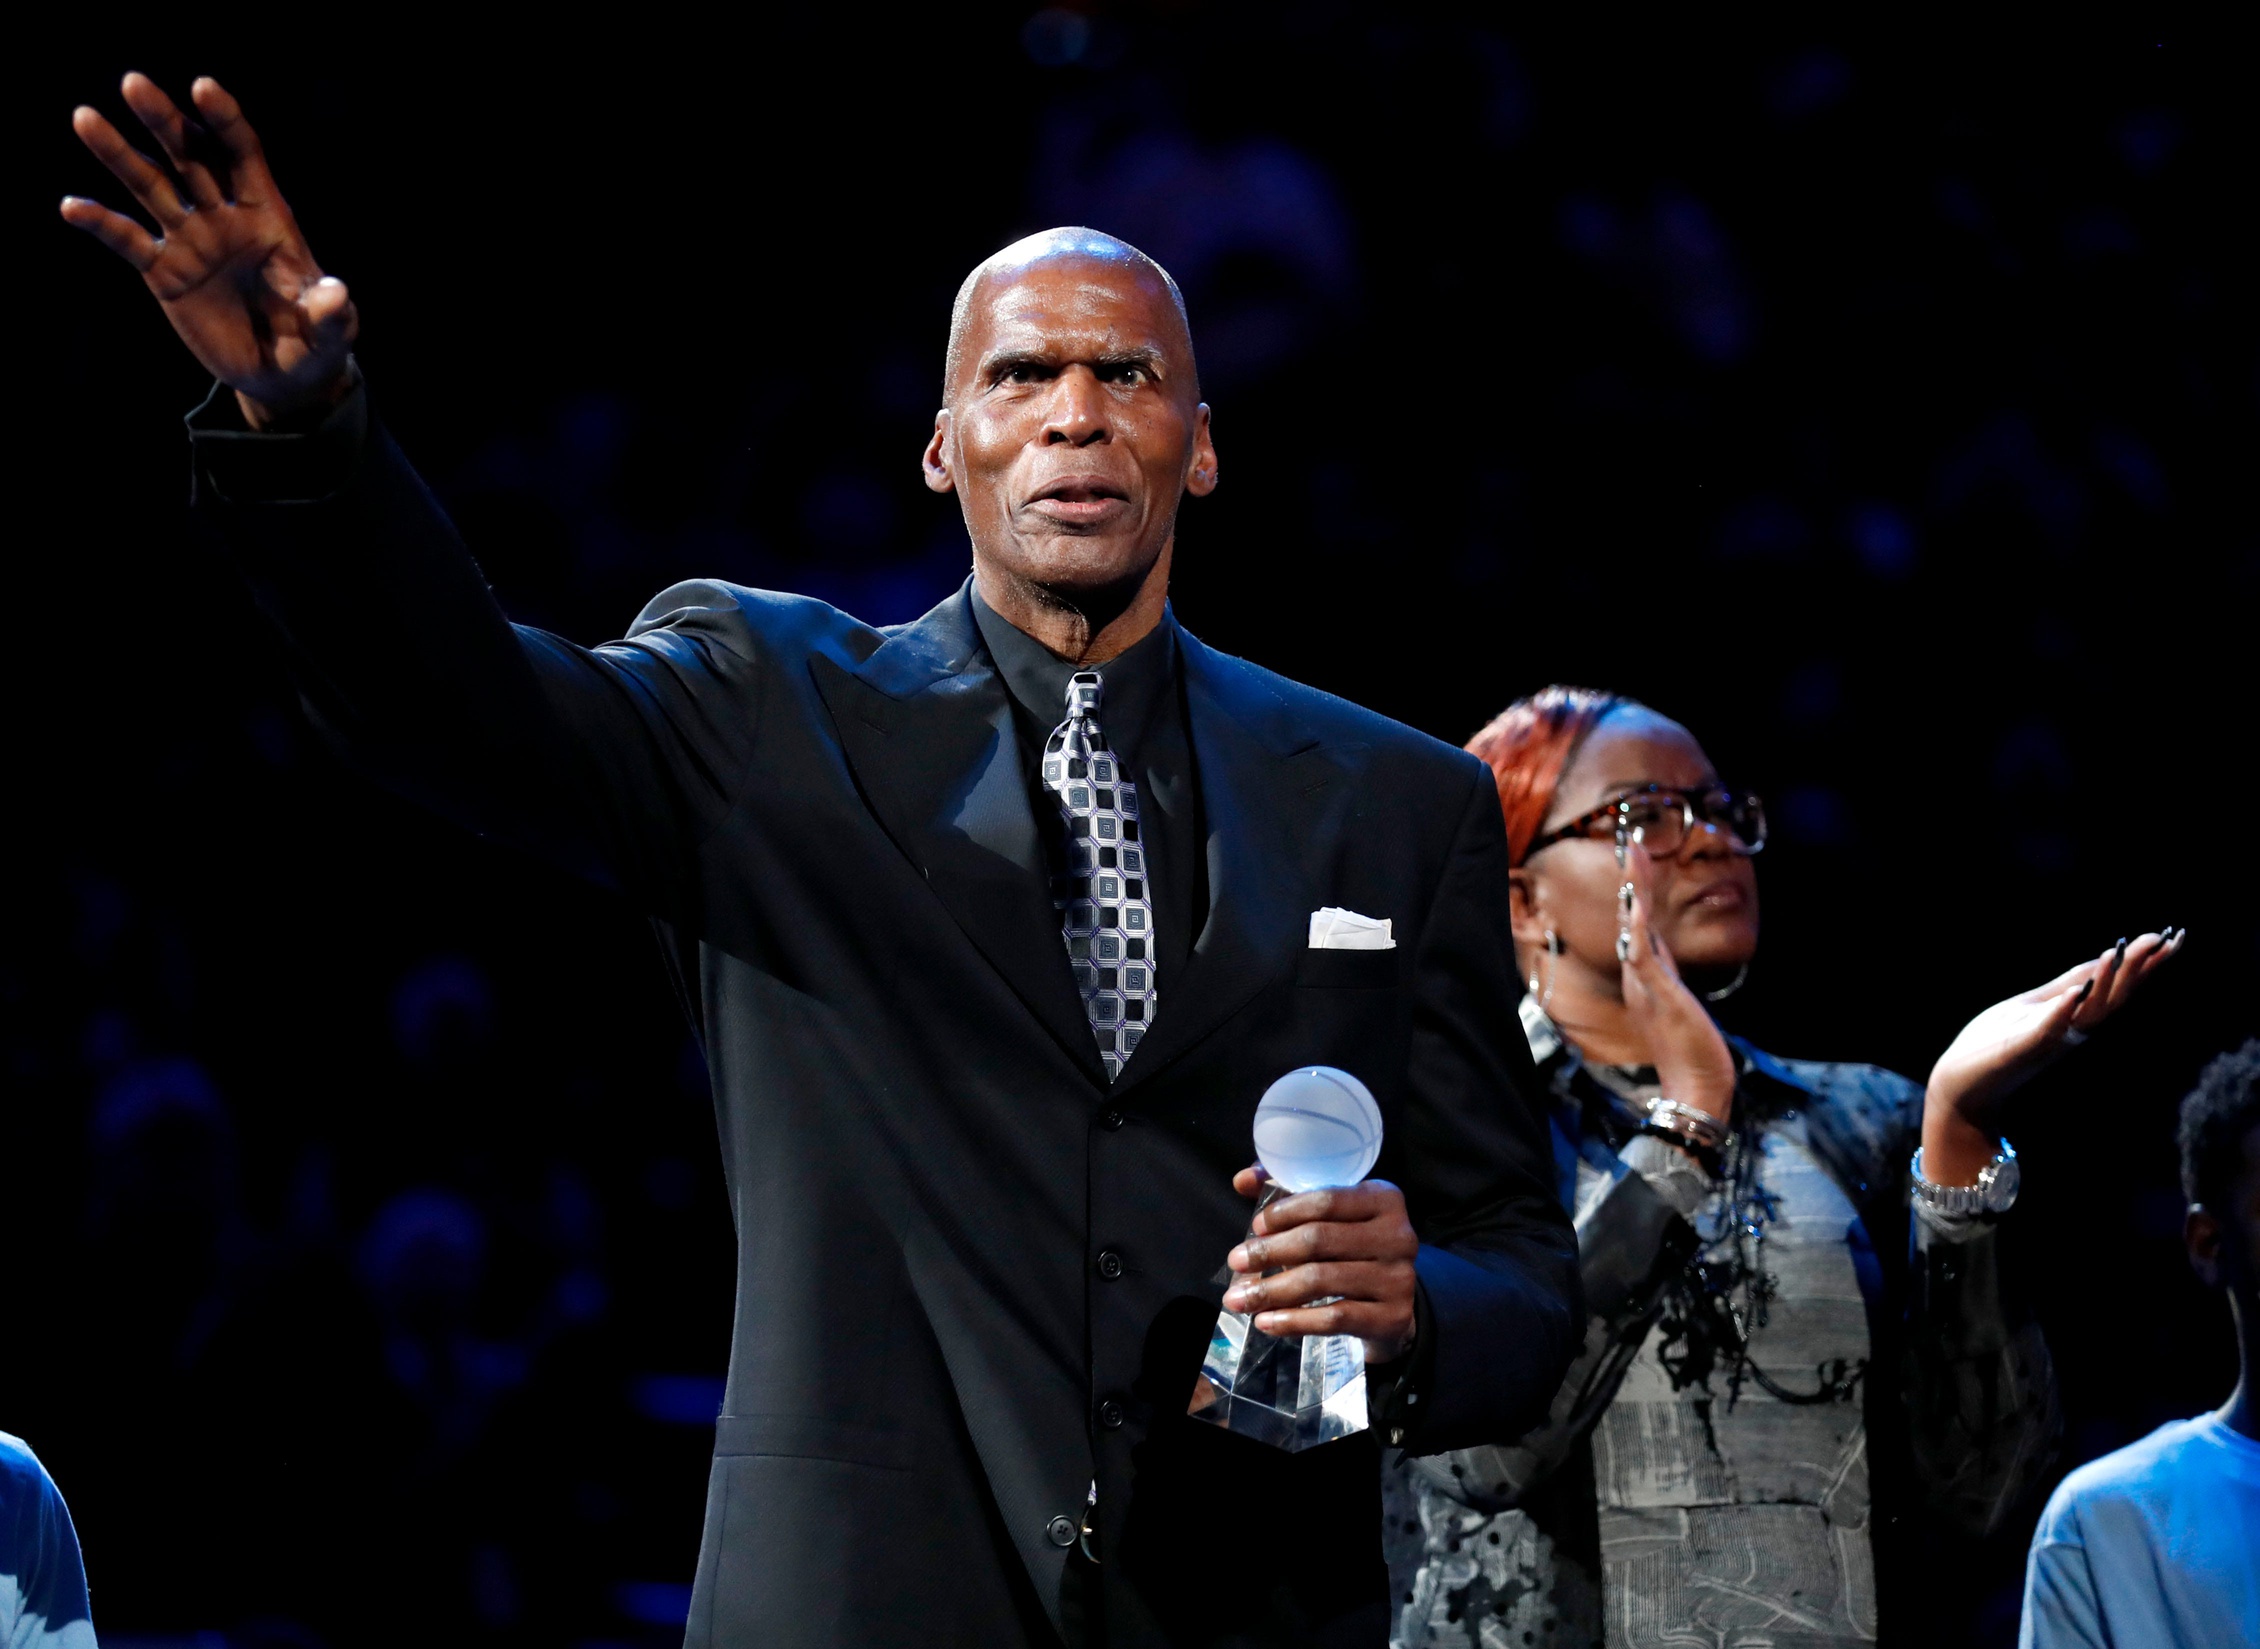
{"points": [[994, 926]]}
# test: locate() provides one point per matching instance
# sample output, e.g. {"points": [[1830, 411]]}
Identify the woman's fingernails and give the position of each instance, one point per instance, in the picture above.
{"points": [[2084, 989]]}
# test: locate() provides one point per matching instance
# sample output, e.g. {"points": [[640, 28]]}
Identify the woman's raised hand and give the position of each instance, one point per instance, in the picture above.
{"points": [[2009, 1042], [227, 263], [1693, 1063]]}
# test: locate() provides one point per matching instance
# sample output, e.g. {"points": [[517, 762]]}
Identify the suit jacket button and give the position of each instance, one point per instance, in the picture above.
{"points": [[1110, 1264], [1060, 1531], [1111, 1415], [1110, 1119]]}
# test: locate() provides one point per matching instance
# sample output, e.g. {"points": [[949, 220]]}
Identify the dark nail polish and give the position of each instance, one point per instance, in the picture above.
{"points": [[2122, 945], [2084, 989]]}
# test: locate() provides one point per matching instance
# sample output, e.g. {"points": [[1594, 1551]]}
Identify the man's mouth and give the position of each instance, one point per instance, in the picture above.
{"points": [[1079, 500]]}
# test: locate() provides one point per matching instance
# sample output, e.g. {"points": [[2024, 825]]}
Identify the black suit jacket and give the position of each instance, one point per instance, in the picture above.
{"points": [[973, 1278]]}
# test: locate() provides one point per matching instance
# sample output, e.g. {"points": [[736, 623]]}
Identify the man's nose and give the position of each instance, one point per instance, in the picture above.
{"points": [[1077, 416]]}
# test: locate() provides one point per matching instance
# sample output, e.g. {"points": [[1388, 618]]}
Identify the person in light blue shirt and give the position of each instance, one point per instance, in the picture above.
{"points": [[42, 1580], [2158, 1545]]}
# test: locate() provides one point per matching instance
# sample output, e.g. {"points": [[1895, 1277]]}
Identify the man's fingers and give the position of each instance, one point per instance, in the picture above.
{"points": [[1372, 1199], [1360, 1319], [329, 321], [113, 229], [328, 310], [1360, 1240], [1369, 1280], [130, 166], [252, 184], [174, 133]]}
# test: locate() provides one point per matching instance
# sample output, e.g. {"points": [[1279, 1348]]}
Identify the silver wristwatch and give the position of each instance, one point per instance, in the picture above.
{"points": [[1994, 1193]]}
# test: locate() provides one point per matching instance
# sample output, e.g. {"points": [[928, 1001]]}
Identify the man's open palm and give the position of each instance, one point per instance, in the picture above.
{"points": [[227, 262]]}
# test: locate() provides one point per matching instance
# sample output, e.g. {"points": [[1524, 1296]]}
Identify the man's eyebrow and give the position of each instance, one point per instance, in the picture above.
{"points": [[1001, 359], [1004, 360]]}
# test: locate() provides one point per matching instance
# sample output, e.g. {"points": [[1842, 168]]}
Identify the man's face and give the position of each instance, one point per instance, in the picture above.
{"points": [[1073, 426]]}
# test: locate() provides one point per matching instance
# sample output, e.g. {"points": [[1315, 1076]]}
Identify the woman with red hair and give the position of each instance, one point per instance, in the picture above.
{"points": [[1788, 1298]]}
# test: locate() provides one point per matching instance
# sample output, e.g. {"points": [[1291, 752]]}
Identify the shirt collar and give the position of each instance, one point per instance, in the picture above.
{"points": [[1137, 681]]}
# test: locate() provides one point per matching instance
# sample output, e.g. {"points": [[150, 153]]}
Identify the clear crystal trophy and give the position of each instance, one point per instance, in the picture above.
{"points": [[1315, 1128]]}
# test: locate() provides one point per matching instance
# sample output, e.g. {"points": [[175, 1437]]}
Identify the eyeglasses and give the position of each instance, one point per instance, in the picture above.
{"points": [[1665, 818]]}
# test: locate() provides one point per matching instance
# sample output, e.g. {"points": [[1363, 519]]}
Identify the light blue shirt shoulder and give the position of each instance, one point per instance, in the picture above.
{"points": [[42, 1581], [2157, 1544]]}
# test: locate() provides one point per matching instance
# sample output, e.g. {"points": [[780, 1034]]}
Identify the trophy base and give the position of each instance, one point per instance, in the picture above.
{"points": [[1293, 1394]]}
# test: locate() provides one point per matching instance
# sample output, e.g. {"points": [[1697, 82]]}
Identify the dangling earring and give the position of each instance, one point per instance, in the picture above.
{"points": [[1543, 994], [1730, 987], [1625, 893]]}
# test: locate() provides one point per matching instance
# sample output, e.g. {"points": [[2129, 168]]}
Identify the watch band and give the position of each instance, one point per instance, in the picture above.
{"points": [[1995, 1192]]}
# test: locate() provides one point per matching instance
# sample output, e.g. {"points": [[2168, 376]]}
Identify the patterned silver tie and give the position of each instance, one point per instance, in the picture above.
{"points": [[1105, 902]]}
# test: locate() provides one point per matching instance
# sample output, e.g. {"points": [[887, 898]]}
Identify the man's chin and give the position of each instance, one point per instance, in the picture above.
{"points": [[1082, 573]]}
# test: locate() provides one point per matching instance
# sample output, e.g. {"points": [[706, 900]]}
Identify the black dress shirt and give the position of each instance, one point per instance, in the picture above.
{"points": [[1142, 714]]}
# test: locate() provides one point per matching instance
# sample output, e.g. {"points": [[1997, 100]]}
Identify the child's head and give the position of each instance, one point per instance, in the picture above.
{"points": [[2220, 1139]]}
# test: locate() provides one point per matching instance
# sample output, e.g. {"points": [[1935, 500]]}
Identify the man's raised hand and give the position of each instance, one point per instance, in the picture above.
{"points": [[227, 263]]}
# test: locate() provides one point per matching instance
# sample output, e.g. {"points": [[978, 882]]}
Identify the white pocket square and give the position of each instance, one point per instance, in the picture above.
{"points": [[1337, 929]]}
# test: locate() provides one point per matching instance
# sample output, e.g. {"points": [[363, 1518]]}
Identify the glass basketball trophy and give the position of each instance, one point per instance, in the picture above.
{"points": [[1315, 1128]]}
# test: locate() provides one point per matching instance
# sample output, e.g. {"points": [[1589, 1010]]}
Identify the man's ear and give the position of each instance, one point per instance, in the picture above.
{"points": [[936, 461], [1525, 919], [1200, 473], [2201, 1235]]}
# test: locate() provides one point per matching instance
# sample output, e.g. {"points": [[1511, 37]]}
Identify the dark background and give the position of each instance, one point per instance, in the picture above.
{"points": [[1880, 405]]}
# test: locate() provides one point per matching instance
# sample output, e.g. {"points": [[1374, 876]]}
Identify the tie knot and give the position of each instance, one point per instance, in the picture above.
{"points": [[1083, 690]]}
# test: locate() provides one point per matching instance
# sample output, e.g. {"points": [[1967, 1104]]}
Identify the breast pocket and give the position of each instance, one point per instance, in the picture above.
{"points": [[1371, 970]]}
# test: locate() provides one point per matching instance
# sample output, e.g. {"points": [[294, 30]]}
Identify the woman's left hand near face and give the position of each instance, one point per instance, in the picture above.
{"points": [[1693, 1063]]}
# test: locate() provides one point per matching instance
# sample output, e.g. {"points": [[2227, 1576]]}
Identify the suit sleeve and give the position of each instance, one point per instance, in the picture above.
{"points": [[1498, 1262], [614, 762]]}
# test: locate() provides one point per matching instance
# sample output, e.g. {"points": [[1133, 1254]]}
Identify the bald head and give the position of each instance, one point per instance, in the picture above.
{"points": [[1051, 246], [1071, 426]]}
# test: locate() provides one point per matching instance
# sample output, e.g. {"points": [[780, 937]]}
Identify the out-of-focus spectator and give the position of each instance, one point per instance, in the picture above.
{"points": [[2159, 1544], [165, 1223], [42, 1579]]}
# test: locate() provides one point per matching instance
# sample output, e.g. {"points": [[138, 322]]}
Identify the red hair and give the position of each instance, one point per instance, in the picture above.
{"points": [[1529, 745]]}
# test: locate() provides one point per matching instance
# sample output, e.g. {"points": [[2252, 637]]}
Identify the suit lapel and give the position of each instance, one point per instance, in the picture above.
{"points": [[1245, 745], [926, 725]]}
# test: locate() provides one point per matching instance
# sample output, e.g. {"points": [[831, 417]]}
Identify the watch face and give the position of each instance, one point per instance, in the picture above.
{"points": [[1999, 1183]]}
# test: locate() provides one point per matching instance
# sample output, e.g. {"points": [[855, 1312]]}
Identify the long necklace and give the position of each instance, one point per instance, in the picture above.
{"points": [[1721, 1298]]}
